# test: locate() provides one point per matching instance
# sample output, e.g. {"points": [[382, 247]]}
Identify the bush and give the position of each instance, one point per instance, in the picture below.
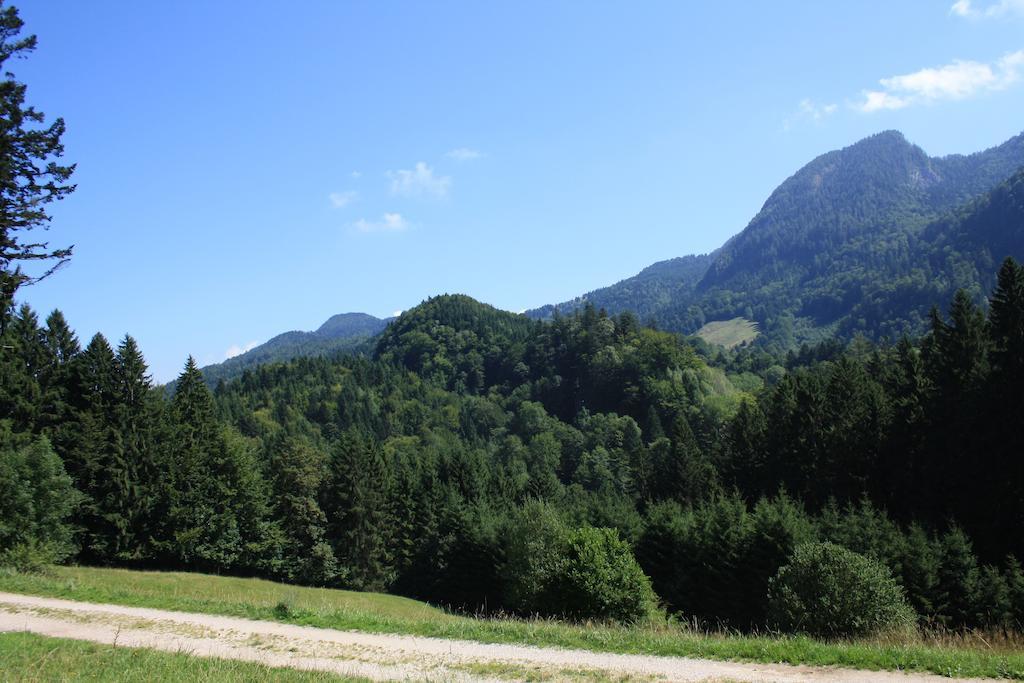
{"points": [[30, 557], [600, 579], [829, 591], [585, 573], [37, 500]]}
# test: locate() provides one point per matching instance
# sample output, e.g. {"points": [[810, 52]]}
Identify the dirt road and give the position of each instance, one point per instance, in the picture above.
{"points": [[382, 657]]}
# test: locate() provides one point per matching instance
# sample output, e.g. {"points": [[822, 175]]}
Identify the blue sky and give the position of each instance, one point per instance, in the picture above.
{"points": [[250, 168]]}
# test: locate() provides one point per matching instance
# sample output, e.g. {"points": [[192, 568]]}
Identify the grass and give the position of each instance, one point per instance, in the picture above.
{"points": [[944, 654], [28, 657], [728, 333]]}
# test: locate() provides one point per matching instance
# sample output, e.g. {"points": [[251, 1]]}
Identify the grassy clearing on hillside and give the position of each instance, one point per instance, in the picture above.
{"points": [[728, 333], [27, 657], [948, 656]]}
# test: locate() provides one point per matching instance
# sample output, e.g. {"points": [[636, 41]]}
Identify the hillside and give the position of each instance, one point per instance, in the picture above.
{"points": [[850, 229], [345, 332]]}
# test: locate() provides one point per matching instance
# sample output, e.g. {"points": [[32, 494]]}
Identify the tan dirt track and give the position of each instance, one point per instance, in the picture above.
{"points": [[381, 656]]}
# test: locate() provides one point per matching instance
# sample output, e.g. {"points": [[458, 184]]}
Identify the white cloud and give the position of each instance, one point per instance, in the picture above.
{"points": [[809, 110], [395, 314], [340, 200], [236, 350], [418, 182], [958, 80], [875, 100], [356, 175], [464, 154], [966, 8], [389, 222]]}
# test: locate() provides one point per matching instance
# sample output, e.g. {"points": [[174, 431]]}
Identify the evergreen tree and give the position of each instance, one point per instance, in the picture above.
{"points": [[30, 175], [199, 484], [356, 502], [138, 414], [297, 471]]}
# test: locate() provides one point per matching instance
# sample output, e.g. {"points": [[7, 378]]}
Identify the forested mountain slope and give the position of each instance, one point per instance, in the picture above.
{"points": [[852, 234], [477, 448], [342, 332], [655, 288]]}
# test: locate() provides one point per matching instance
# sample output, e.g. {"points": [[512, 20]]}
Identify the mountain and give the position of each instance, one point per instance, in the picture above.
{"points": [[655, 287], [345, 332], [856, 231]]}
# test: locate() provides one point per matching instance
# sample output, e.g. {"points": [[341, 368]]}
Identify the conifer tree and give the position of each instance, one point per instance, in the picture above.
{"points": [[297, 470], [356, 503], [202, 531], [30, 175], [137, 418]]}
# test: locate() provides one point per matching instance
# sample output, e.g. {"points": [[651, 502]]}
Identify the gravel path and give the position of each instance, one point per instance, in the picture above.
{"points": [[383, 657]]}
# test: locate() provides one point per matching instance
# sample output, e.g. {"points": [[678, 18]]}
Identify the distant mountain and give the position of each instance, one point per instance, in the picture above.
{"points": [[654, 288], [859, 240], [345, 332]]}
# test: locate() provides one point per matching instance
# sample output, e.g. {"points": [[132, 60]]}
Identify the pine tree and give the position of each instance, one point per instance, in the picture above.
{"points": [[91, 454], [297, 470], [203, 531], [30, 177], [56, 417], [1003, 465], [23, 361], [958, 580], [137, 415], [356, 503]]}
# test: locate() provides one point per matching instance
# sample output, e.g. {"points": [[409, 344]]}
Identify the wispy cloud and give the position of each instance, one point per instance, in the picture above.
{"points": [[236, 350], [1002, 8], [464, 154], [389, 222], [420, 181], [809, 110], [356, 175], [958, 80], [339, 200]]}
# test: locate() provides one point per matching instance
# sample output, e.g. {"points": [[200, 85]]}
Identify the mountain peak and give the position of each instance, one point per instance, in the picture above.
{"points": [[344, 324]]}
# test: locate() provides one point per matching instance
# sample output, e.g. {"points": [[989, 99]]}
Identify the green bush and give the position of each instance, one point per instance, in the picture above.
{"points": [[585, 573], [30, 557], [829, 591], [601, 579], [37, 500]]}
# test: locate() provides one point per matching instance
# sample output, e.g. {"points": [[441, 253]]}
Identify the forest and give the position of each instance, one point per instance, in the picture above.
{"points": [[586, 467]]}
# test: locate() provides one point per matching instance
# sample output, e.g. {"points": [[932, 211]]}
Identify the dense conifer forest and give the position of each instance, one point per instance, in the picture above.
{"points": [[476, 450]]}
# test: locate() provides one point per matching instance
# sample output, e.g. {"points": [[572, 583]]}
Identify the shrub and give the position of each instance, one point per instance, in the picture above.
{"points": [[600, 578], [829, 591], [585, 573], [30, 557], [534, 547], [36, 502]]}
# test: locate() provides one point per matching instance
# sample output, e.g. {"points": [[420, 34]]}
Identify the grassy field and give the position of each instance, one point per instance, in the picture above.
{"points": [[946, 655], [28, 657], [728, 333]]}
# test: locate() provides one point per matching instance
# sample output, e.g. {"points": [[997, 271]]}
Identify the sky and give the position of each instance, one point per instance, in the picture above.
{"points": [[245, 169]]}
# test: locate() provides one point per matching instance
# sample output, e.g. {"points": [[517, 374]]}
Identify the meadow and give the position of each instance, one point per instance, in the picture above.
{"points": [[945, 653]]}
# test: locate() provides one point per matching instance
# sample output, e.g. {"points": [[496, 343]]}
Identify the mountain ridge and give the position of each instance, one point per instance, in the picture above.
{"points": [[834, 232], [342, 332]]}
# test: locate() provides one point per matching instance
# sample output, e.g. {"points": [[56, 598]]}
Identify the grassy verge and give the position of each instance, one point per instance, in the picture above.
{"points": [[326, 608], [28, 657]]}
